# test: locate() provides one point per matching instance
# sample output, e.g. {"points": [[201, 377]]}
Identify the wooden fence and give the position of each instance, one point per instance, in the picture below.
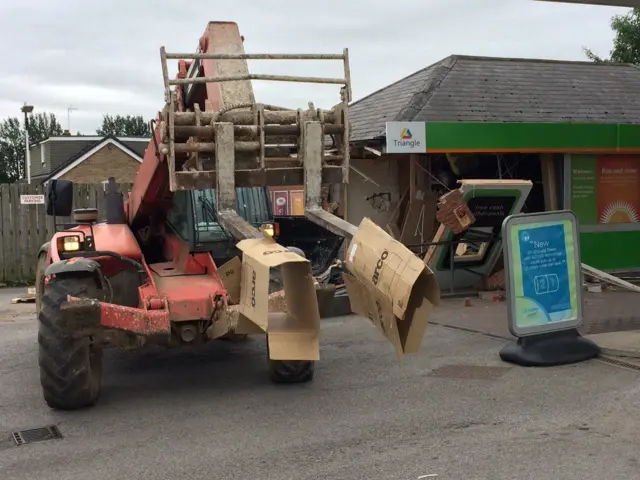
{"points": [[25, 227]]}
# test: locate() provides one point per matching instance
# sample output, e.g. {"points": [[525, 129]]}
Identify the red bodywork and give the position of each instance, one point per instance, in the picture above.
{"points": [[186, 286]]}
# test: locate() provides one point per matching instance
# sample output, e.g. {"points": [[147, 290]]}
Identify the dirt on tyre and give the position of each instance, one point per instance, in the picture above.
{"points": [[70, 368], [41, 267]]}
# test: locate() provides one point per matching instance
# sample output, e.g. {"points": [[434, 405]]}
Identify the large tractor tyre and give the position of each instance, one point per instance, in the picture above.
{"points": [[290, 371], [70, 368]]}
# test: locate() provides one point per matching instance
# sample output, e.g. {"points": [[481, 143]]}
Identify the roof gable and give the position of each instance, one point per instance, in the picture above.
{"points": [[87, 152], [485, 89], [369, 114]]}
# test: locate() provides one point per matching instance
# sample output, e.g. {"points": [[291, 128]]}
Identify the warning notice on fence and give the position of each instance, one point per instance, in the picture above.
{"points": [[32, 199]]}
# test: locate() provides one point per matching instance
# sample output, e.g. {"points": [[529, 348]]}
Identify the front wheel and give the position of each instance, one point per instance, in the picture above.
{"points": [[70, 368], [288, 371]]}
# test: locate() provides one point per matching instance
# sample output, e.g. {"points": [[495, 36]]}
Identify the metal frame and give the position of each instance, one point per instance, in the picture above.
{"points": [[240, 132], [254, 122], [451, 245], [531, 218]]}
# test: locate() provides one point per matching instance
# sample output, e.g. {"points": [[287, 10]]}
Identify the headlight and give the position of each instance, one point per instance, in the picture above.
{"points": [[70, 243], [268, 229]]}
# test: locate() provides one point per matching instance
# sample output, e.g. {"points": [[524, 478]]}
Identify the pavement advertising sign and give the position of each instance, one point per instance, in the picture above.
{"points": [[32, 199], [543, 272], [406, 137]]}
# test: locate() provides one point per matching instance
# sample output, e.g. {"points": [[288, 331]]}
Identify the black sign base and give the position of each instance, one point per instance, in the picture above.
{"points": [[550, 349]]}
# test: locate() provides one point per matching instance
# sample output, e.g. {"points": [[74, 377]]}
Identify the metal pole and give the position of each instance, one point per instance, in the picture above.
{"points": [[26, 109], [26, 147]]}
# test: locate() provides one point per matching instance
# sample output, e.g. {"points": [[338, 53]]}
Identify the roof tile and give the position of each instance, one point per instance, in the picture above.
{"points": [[481, 89]]}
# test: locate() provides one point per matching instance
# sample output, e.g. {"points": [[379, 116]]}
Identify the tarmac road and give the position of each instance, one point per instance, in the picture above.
{"points": [[210, 413]]}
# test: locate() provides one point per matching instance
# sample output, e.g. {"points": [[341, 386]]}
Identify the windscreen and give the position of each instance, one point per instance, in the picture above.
{"points": [[252, 204]]}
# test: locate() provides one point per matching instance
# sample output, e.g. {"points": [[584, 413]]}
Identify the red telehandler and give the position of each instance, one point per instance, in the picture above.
{"points": [[147, 275]]}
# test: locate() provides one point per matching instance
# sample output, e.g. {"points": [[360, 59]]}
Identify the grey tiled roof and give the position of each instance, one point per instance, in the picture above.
{"points": [[483, 89]]}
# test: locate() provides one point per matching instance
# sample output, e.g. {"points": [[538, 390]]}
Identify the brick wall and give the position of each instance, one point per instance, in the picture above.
{"points": [[108, 161]]}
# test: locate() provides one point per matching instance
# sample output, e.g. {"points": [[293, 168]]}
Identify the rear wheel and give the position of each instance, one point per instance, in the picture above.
{"points": [[288, 371], [70, 368]]}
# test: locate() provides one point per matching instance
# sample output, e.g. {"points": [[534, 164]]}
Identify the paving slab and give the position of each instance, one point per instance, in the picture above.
{"points": [[618, 344], [606, 312]]}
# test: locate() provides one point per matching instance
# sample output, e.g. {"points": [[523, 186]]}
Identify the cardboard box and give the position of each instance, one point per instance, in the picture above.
{"points": [[294, 334], [230, 276], [389, 285]]}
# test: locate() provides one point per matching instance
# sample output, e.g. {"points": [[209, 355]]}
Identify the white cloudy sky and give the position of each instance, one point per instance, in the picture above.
{"points": [[102, 56]]}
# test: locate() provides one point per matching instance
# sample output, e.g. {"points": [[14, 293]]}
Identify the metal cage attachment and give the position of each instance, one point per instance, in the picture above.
{"points": [[267, 141]]}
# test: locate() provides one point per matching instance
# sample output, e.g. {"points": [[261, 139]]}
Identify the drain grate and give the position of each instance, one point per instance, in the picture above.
{"points": [[23, 437], [618, 363], [470, 372]]}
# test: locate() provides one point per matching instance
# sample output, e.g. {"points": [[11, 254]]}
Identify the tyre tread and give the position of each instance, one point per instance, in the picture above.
{"points": [[70, 369]]}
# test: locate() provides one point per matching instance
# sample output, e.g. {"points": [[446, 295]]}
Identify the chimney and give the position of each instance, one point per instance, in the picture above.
{"points": [[66, 133]]}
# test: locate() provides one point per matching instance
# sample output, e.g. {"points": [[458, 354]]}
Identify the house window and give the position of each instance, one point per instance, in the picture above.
{"points": [[42, 155]]}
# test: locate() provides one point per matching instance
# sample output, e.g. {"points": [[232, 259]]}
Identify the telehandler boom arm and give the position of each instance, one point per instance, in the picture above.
{"points": [[212, 134]]}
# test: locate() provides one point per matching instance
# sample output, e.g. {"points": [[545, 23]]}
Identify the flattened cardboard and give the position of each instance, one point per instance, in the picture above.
{"points": [[290, 339], [391, 286], [376, 308], [230, 277], [293, 335]]}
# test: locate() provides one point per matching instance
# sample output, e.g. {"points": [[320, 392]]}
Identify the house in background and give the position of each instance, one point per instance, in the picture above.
{"points": [[87, 159]]}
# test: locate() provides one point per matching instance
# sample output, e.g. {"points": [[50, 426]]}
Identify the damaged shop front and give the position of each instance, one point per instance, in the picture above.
{"points": [[508, 135], [449, 208], [498, 169]]}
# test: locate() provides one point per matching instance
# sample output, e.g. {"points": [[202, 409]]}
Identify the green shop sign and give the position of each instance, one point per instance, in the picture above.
{"points": [[496, 137]]}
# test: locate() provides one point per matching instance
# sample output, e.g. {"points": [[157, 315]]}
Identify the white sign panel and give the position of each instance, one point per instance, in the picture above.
{"points": [[406, 137], [543, 272], [32, 199]]}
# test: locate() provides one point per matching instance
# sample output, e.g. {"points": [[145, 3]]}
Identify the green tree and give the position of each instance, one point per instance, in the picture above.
{"points": [[12, 139], [626, 45], [121, 126]]}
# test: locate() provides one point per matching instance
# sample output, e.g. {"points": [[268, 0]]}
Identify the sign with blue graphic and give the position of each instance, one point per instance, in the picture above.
{"points": [[406, 137], [543, 270]]}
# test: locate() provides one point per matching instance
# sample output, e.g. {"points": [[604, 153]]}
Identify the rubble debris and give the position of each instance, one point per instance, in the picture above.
{"points": [[277, 302], [607, 278], [496, 281], [594, 288], [454, 213], [396, 222], [493, 296], [24, 299], [473, 215], [30, 297]]}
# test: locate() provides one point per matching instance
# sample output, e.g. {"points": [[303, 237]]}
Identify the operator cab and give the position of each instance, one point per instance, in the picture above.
{"points": [[193, 218]]}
